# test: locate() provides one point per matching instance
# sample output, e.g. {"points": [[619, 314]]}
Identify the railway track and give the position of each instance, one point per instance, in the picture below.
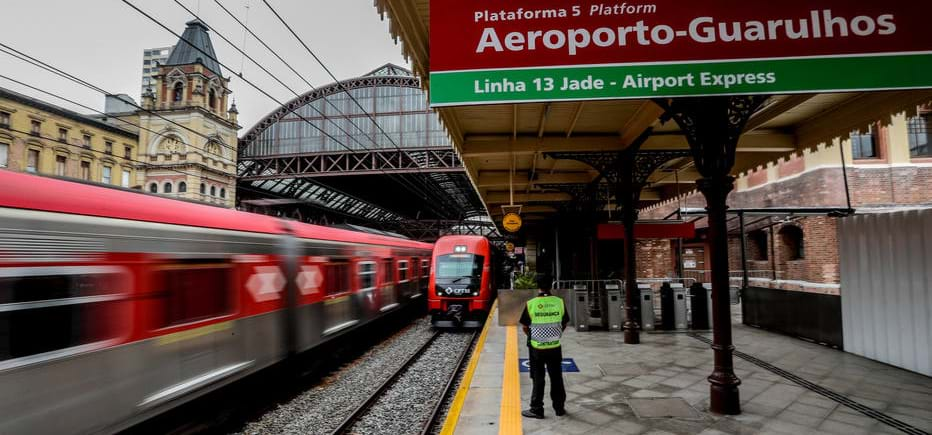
{"points": [[402, 403]]}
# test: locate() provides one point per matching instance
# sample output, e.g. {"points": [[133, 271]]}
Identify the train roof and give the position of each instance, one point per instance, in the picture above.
{"points": [[33, 192]]}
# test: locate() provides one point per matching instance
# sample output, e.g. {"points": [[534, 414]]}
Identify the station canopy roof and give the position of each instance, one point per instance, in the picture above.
{"points": [[496, 139]]}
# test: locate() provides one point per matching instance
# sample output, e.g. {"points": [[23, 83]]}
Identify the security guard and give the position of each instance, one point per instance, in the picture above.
{"points": [[544, 319]]}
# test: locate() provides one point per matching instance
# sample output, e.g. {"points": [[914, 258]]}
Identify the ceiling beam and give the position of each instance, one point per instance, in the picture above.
{"points": [[774, 110], [647, 114], [496, 197], [489, 145], [500, 178]]}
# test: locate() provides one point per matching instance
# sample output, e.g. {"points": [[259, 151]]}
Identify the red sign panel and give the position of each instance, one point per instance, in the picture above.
{"points": [[485, 34], [486, 51], [685, 230]]}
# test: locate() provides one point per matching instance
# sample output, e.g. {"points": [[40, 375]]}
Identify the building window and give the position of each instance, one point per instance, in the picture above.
{"points": [[212, 99], [108, 147], [85, 169], [87, 141], [4, 155], [36, 128], [203, 188], [791, 237], [213, 191], [63, 135], [182, 187], [4, 120], [757, 245], [32, 161], [223, 193], [918, 129], [167, 188], [864, 145], [128, 153], [60, 165], [105, 176], [154, 188], [124, 181], [147, 61], [178, 93]]}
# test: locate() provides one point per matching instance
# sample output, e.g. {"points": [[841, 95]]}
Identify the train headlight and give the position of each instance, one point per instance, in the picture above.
{"points": [[475, 293]]}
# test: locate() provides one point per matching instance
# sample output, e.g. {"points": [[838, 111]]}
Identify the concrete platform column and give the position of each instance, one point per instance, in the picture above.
{"points": [[712, 126]]}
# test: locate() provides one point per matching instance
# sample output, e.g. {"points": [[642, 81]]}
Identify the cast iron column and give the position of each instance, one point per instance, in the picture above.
{"points": [[629, 216], [712, 126], [724, 382]]}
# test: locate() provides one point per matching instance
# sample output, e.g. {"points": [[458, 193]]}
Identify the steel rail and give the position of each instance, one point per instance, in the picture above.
{"points": [[435, 413], [360, 411]]}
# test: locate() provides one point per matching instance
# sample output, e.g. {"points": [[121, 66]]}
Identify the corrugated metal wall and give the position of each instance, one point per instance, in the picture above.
{"points": [[886, 287]]}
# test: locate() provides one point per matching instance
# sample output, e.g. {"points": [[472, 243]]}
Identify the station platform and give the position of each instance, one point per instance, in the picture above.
{"points": [[789, 386]]}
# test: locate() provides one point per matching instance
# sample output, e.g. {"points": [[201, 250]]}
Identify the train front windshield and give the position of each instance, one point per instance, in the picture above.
{"points": [[457, 266]]}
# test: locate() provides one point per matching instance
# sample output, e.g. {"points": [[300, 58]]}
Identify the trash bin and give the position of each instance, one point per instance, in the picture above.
{"points": [[699, 305], [647, 307], [581, 319], [615, 307], [679, 305], [667, 322]]}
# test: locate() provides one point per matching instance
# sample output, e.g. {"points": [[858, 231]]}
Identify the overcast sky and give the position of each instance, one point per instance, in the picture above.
{"points": [[102, 42]]}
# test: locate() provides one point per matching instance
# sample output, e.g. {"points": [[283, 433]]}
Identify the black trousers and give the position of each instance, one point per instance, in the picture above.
{"points": [[548, 360]]}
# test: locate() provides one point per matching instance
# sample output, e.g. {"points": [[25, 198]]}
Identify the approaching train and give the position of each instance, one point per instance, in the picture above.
{"points": [[463, 281], [116, 306]]}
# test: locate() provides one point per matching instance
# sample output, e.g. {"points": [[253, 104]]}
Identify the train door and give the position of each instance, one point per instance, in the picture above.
{"points": [[197, 300], [339, 308], [388, 291]]}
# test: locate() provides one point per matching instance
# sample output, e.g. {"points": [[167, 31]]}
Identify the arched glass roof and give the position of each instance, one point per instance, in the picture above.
{"points": [[328, 120]]}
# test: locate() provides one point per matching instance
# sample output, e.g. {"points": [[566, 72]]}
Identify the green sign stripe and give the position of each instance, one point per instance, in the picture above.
{"points": [[682, 79]]}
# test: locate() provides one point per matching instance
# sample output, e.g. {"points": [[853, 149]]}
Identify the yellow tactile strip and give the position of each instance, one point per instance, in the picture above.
{"points": [[509, 420], [453, 415]]}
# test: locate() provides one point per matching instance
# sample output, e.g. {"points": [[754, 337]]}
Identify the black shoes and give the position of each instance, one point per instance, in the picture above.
{"points": [[560, 412], [531, 414]]}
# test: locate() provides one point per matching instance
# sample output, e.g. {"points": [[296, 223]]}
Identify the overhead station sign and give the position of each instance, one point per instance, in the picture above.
{"points": [[494, 51]]}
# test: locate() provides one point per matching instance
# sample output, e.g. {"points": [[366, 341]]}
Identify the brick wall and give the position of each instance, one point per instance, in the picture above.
{"points": [[817, 270]]}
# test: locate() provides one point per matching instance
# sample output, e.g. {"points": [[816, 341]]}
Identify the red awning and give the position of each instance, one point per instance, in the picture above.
{"points": [[649, 230]]}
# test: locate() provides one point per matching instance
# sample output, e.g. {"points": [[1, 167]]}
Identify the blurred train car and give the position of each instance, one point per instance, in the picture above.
{"points": [[463, 281], [116, 306]]}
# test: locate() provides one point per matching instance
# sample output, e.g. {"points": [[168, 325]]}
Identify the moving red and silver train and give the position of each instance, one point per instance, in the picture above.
{"points": [[463, 281], [116, 306]]}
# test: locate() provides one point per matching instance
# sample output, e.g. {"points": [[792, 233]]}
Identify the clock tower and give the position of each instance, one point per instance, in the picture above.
{"points": [[188, 141]]}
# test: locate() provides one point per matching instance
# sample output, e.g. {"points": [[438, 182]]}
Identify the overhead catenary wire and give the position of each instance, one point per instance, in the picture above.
{"points": [[58, 71], [84, 106], [332, 76], [263, 92], [283, 61]]}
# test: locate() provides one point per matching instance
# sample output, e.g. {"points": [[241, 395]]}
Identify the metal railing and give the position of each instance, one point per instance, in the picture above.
{"points": [[595, 288]]}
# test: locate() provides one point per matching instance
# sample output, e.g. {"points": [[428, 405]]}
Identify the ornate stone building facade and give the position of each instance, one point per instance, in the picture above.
{"points": [[193, 155], [181, 142]]}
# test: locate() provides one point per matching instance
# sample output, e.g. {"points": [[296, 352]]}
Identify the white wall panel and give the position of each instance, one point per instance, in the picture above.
{"points": [[886, 287]]}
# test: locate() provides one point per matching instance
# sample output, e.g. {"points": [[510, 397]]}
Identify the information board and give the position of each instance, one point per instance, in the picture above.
{"points": [[489, 51]]}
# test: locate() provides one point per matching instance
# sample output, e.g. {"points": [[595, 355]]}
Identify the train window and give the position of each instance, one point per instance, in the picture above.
{"points": [[195, 291], [366, 275], [425, 268], [45, 310], [387, 275], [337, 278], [403, 271]]}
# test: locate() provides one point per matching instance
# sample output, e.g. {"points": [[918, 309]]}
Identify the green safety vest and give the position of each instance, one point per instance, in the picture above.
{"points": [[546, 314]]}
